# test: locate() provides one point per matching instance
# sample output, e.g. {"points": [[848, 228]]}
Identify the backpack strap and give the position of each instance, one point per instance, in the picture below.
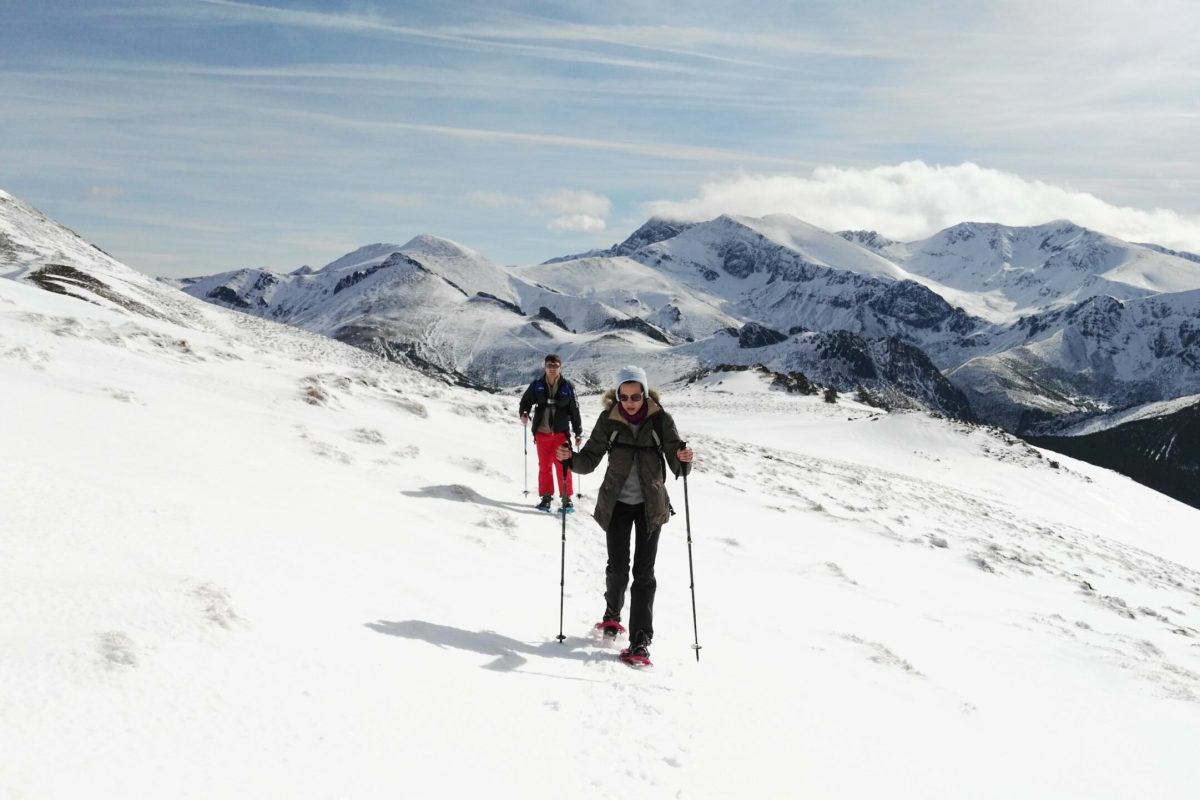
{"points": [[656, 426]]}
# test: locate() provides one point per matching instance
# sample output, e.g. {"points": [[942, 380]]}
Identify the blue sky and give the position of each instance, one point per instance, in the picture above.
{"points": [[199, 136]]}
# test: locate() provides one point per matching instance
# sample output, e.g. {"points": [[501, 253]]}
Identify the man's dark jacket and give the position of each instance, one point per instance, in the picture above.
{"points": [[565, 405]]}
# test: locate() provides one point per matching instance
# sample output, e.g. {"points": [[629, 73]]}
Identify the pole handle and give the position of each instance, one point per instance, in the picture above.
{"points": [[684, 469]]}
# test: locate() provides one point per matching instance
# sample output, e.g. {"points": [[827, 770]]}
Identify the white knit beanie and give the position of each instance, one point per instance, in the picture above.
{"points": [[632, 373]]}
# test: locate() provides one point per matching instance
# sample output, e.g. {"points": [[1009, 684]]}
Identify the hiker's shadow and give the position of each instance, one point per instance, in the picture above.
{"points": [[458, 493], [509, 654]]}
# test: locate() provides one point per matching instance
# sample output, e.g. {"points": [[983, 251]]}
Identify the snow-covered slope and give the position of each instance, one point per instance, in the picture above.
{"points": [[30, 239], [38, 250], [242, 560], [620, 285]]}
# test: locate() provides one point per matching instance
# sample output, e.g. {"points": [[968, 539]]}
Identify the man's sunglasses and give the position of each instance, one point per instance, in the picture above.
{"points": [[630, 398], [553, 366]]}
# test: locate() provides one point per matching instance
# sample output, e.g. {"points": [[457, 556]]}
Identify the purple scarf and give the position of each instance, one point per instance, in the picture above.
{"points": [[634, 419]]}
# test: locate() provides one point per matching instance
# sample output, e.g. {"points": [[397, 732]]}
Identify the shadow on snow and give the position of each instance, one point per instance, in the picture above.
{"points": [[509, 654], [465, 494]]}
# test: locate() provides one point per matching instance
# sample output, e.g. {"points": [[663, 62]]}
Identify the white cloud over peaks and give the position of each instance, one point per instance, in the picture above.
{"points": [[576, 210], [913, 200], [577, 222], [571, 209], [576, 201]]}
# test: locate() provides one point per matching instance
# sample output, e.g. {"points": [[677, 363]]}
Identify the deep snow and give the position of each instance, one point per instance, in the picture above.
{"points": [[238, 560]]}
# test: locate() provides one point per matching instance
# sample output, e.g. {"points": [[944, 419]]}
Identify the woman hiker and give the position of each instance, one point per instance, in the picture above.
{"points": [[633, 496]]}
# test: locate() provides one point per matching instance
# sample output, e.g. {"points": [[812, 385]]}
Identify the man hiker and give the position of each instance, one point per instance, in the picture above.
{"points": [[555, 411]]}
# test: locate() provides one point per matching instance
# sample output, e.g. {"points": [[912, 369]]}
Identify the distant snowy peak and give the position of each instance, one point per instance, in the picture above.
{"points": [[768, 248], [436, 247], [782, 228], [463, 268], [654, 230], [365, 256], [1027, 270], [1004, 243], [424, 244], [868, 239], [1169, 252]]}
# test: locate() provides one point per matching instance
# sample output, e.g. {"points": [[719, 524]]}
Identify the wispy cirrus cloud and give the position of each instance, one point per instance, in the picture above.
{"points": [[103, 193], [663, 150], [356, 118], [494, 199], [377, 25], [691, 40]]}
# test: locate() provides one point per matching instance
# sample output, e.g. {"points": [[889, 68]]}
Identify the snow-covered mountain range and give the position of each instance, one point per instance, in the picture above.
{"points": [[468, 316], [242, 560], [1029, 325], [1033, 329]]}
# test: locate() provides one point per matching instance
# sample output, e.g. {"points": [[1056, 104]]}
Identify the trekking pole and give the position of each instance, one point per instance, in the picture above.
{"points": [[687, 515], [525, 428], [562, 574], [578, 486]]}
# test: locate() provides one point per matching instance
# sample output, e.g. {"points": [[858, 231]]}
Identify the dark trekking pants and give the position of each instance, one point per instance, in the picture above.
{"points": [[641, 598]]}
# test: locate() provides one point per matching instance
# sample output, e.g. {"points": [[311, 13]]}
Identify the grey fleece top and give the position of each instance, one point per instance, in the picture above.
{"points": [[631, 492]]}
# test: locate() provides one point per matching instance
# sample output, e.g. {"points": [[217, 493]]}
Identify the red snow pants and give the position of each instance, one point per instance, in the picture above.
{"points": [[547, 443]]}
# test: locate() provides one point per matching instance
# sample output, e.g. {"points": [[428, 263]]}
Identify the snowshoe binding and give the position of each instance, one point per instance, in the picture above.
{"points": [[545, 504], [637, 654], [567, 506], [610, 628]]}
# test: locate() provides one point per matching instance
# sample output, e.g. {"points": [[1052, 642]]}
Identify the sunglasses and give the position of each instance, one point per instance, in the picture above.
{"points": [[553, 366], [630, 398]]}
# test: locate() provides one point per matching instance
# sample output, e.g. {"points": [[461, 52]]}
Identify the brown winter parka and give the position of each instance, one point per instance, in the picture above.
{"points": [[627, 452]]}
